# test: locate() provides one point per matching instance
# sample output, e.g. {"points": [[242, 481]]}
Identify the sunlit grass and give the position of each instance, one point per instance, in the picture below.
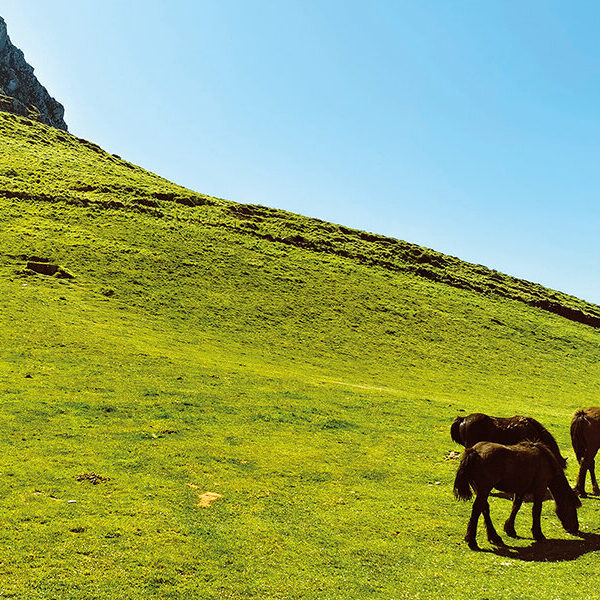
{"points": [[200, 349]]}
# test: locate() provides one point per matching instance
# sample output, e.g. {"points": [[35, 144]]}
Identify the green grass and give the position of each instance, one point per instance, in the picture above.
{"points": [[306, 372]]}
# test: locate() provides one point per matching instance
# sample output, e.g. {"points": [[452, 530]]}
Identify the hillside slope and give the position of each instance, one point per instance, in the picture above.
{"points": [[79, 172], [304, 371]]}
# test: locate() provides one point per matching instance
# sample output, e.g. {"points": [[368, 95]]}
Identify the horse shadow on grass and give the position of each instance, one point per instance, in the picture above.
{"points": [[552, 550]]}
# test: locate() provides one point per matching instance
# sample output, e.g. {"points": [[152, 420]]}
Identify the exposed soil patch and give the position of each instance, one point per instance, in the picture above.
{"points": [[43, 268], [206, 499], [92, 478], [50, 269], [356, 385]]}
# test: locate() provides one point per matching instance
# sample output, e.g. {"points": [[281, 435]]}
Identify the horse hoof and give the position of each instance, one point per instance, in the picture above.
{"points": [[511, 533], [474, 546], [497, 541], [596, 491]]}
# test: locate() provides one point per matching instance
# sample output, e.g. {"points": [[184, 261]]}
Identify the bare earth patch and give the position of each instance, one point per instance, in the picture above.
{"points": [[359, 386], [92, 478], [206, 499]]}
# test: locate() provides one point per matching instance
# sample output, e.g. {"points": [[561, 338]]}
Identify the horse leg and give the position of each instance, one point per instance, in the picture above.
{"points": [[492, 535], [536, 528], [592, 469], [509, 526], [583, 468], [471, 536]]}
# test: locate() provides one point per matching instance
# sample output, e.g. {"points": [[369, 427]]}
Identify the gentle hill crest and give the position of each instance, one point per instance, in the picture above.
{"points": [[117, 185]]}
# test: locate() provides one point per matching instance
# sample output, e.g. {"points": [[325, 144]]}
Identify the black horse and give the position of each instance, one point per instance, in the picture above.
{"points": [[585, 436], [478, 427], [524, 468]]}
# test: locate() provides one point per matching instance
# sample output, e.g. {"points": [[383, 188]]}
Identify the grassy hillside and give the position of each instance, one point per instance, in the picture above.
{"points": [[305, 372]]}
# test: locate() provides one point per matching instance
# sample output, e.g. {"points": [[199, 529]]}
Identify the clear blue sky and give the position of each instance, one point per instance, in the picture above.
{"points": [[469, 127]]}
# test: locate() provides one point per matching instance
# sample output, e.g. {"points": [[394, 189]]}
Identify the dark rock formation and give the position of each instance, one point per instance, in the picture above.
{"points": [[47, 268], [43, 268], [20, 91]]}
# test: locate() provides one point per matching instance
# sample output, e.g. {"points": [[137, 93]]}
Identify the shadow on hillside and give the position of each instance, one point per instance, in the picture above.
{"points": [[552, 550]]}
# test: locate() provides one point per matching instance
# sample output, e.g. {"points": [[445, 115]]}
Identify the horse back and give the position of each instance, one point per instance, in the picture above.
{"points": [[526, 467], [478, 427]]}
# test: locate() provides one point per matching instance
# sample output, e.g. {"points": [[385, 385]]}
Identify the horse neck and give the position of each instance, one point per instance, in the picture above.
{"points": [[560, 488], [547, 438]]}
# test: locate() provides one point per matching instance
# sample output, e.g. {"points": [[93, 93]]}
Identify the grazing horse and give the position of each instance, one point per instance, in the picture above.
{"points": [[527, 467], [478, 427], [585, 436]]}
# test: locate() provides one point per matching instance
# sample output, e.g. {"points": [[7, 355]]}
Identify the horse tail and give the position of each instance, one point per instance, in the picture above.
{"points": [[578, 425], [462, 482], [455, 430], [544, 436]]}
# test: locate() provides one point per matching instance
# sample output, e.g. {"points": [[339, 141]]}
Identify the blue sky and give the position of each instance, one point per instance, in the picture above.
{"points": [[468, 127]]}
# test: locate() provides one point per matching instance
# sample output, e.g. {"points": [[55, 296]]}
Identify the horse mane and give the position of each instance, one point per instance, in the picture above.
{"points": [[547, 439], [455, 430], [540, 445]]}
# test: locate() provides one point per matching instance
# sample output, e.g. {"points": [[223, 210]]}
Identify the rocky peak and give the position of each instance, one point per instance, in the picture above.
{"points": [[20, 91]]}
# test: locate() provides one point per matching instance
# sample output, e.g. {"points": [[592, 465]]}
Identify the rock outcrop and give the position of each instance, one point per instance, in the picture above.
{"points": [[20, 91]]}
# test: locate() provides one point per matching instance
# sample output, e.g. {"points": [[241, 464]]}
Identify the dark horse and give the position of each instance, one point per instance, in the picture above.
{"points": [[585, 436], [524, 468], [478, 427]]}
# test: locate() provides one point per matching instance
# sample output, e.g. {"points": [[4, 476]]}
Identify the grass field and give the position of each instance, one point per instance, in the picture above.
{"points": [[305, 372]]}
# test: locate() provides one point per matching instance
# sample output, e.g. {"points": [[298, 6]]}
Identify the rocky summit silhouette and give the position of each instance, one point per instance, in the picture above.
{"points": [[20, 91]]}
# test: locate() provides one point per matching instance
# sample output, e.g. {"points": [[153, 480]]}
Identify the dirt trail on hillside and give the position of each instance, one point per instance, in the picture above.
{"points": [[356, 385]]}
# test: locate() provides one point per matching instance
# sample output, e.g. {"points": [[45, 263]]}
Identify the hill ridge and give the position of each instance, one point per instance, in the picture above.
{"points": [[118, 191]]}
